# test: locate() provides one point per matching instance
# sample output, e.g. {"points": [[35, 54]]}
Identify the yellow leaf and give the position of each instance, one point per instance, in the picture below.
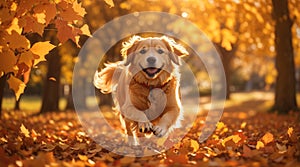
{"points": [[259, 145], [220, 125], [194, 145], [243, 125], [24, 130], [8, 61], [267, 138], [83, 157], [41, 49], [110, 3], [79, 9], [14, 27], [290, 131], [234, 138], [16, 85], [41, 17], [85, 30]]}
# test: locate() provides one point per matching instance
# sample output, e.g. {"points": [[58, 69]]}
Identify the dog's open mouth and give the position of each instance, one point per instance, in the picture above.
{"points": [[152, 71]]}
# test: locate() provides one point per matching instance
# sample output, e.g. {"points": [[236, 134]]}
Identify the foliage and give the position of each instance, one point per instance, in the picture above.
{"points": [[57, 139], [21, 18]]}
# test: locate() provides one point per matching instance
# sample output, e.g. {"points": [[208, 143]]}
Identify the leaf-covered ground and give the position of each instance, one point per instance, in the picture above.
{"points": [[241, 139]]}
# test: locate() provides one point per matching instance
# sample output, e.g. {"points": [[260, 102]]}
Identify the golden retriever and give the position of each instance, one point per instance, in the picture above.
{"points": [[145, 85]]}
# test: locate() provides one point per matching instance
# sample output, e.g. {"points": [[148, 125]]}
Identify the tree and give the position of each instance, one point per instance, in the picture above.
{"points": [[285, 90]]}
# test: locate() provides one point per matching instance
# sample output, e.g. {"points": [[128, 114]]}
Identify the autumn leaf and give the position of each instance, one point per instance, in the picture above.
{"points": [[41, 49], [290, 131], [234, 138], [110, 3], [31, 24], [259, 145], [27, 58], [79, 9], [194, 145], [67, 12], [24, 131], [267, 138], [14, 26], [49, 10], [83, 157], [16, 85], [8, 61], [16, 41], [66, 31], [85, 30]]}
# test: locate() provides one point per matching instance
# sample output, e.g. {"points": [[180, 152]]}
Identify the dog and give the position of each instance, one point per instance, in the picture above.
{"points": [[145, 85]]}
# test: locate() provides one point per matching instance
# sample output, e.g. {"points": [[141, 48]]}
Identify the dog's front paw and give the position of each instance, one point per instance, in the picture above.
{"points": [[159, 131], [145, 127]]}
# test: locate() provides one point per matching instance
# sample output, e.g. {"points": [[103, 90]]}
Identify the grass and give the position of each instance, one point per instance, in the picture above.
{"points": [[28, 103]]}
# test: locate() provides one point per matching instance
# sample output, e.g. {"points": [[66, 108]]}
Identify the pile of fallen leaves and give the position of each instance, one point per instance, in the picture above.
{"points": [[58, 139]]}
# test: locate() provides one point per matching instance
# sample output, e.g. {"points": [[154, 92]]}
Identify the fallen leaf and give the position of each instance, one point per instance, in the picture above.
{"points": [[194, 145], [267, 138], [110, 3], [25, 131], [259, 145], [290, 131]]}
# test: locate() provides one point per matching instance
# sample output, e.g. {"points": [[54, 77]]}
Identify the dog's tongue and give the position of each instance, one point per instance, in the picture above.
{"points": [[151, 70]]}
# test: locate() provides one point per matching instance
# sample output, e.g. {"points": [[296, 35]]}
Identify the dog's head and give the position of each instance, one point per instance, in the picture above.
{"points": [[152, 55]]}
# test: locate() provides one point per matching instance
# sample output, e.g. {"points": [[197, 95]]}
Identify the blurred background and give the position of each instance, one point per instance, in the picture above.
{"points": [[243, 32]]}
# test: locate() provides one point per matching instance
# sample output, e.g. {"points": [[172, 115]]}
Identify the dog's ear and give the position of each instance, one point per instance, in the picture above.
{"points": [[176, 50], [128, 49]]}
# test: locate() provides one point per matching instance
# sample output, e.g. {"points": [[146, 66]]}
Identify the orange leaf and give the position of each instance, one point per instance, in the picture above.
{"points": [[16, 41], [16, 85], [66, 31], [267, 138], [32, 25], [48, 9], [8, 61], [27, 58], [67, 12]]}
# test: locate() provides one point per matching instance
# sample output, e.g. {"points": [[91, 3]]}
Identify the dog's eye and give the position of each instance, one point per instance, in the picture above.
{"points": [[143, 51], [160, 51]]}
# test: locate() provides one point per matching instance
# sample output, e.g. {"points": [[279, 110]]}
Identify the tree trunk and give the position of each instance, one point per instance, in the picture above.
{"points": [[2, 86], [50, 100], [17, 104], [227, 57], [285, 89], [70, 102]]}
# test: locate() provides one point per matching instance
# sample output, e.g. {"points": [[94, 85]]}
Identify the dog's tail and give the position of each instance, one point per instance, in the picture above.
{"points": [[107, 78]]}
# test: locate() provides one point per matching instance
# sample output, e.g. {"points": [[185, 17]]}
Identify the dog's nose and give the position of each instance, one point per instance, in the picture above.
{"points": [[151, 60]]}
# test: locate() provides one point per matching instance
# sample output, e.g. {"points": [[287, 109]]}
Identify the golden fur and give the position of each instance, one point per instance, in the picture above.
{"points": [[133, 79]]}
